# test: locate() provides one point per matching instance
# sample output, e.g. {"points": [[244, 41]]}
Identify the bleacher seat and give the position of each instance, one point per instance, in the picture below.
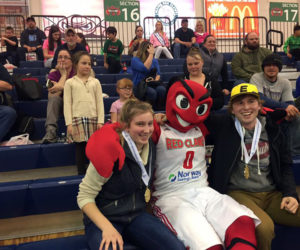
{"points": [[24, 71], [165, 77], [11, 247], [286, 238], [68, 243], [36, 108], [42, 79], [228, 56], [178, 61], [19, 157], [171, 68], [44, 71], [121, 76], [13, 197], [57, 154], [31, 64], [107, 103], [100, 70], [109, 89], [36, 156], [286, 60], [298, 65], [39, 125], [53, 195], [106, 78], [99, 57], [100, 62]]}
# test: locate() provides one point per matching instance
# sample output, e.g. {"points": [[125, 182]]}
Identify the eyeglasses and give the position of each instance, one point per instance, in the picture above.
{"points": [[127, 88], [64, 57]]}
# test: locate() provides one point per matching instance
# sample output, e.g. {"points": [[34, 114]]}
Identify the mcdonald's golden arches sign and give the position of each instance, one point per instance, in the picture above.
{"points": [[229, 28]]}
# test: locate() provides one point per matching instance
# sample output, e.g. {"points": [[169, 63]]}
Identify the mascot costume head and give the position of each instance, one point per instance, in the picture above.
{"points": [[188, 104]]}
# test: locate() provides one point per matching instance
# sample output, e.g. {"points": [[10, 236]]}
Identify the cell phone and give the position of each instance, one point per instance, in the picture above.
{"points": [[49, 84]]}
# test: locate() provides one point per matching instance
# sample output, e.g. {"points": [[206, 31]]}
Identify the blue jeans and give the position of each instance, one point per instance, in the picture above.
{"points": [[156, 96], [180, 50], [7, 118], [145, 232]]}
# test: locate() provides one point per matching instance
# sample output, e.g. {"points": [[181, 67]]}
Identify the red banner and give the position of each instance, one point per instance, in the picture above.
{"points": [[229, 27]]}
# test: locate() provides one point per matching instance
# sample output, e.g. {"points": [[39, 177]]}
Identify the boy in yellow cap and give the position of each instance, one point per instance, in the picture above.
{"points": [[252, 163]]}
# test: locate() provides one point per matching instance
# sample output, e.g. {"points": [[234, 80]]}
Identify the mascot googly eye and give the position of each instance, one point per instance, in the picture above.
{"points": [[182, 102], [201, 109]]}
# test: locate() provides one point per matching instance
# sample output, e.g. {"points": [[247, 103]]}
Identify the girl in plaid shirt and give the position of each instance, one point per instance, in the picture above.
{"points": [[83, 107]]}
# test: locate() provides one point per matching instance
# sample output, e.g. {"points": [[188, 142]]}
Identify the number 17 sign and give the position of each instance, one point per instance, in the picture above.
{"points": [[122, 10]]}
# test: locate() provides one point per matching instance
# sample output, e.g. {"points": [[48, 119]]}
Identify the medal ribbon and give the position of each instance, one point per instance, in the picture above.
{"points": [[137, 157], [255, 139]]}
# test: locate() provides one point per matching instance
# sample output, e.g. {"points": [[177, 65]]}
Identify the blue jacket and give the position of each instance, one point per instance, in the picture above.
{"points": [[139, 71]]}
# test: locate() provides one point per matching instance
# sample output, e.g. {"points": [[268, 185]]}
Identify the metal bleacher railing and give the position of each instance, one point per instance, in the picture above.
{"points": [[15, 21], [94, 29]]}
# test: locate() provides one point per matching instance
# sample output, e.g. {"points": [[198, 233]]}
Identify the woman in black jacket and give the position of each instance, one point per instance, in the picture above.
{"points": [[114, 191]]}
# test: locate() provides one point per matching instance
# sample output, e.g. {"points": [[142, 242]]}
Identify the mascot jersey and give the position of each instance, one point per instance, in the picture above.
{"points": [[180, 150], [180, 162]]}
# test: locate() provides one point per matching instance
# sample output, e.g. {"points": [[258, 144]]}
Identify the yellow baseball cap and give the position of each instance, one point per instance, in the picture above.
{"points": [[244, 89]]}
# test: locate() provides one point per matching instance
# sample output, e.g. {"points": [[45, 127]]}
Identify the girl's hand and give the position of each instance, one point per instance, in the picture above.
{"points": [[70, 129], [113, 237], [69, 133], [99, 125], [150, 49], [106, 65], [160, 118]]}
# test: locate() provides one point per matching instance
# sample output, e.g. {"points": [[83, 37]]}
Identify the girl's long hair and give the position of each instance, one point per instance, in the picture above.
{"points": [[142, 52], [53, 29]]}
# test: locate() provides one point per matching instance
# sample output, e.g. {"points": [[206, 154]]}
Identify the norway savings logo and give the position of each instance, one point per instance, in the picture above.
{"points": [[172, 177], [185, 176]]}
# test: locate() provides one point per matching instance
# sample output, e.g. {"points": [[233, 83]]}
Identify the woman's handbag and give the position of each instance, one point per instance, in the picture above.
{"points": [[141, 89]]}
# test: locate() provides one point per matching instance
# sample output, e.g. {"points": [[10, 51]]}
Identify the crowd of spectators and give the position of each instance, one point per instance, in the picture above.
{"points": [[75, 93]]}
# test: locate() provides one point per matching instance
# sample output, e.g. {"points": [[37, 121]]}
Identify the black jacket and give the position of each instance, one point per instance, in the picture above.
{"points": [[122, 196], [214, 66], [37, 37], [215, 91], [227, 152]]}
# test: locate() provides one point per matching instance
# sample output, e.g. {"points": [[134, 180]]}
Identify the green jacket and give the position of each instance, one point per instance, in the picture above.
{"points": [[292, 43], [245, 63]]}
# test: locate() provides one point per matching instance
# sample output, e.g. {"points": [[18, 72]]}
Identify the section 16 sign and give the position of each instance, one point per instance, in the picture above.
{"points": [[122, 10]]}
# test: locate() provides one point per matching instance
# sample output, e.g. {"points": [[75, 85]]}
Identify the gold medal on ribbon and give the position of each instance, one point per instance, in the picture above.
{"points": [[246, 172], [147, 195]]}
